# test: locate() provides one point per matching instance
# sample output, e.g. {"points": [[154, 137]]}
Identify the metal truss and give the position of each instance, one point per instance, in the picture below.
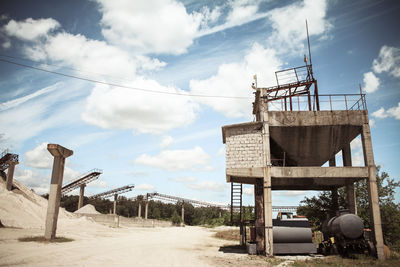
{"points": [[196, 203], [6, 157], [113, 192], [82, 179]]}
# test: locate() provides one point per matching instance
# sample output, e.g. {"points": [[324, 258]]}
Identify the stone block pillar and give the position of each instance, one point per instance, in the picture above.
{"points": [[59, 153], [81, 195], [375, 214], [140, 210], [115, 204], [10, 175]]}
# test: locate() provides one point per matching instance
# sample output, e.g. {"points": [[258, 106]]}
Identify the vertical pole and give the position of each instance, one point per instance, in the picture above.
{"points": [[59, 153], [81, 195], [334, 191], [183, 212], [231, 202], [309, 101], [316, 94], [290, 99], [140, 210], [10, 175], [285, 104], [375, 214], [115, 204], [350, 190], [146, 209]]}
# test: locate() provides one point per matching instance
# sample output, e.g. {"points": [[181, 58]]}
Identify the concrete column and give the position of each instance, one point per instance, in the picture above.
{"points": [[334, 192], [259, 215], [350, 190], [146, 210], [115, 204], [183, 212], [375, 214], [140, 210], [81, 195], [59, 153], [10, 175], [269, 246]]}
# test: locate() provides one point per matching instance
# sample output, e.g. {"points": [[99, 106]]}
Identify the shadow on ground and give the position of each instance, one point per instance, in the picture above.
{"points": [[233, 249]]}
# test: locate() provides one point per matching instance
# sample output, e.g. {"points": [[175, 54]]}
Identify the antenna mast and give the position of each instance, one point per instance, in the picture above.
{"points": [[308, 40]]}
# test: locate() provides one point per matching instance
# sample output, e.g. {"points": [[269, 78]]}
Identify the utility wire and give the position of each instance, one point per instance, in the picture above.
{"points": [[119, 85]]}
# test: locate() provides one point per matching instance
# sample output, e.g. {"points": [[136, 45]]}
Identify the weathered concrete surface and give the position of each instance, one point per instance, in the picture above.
{"points": [[81, 195], [300, 178], [317, 118], [372, 190], [59, 153], [10, 175]]}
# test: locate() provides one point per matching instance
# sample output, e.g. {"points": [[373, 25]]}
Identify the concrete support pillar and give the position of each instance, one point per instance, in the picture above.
{"points": [[334, 192], [350, 190], [259, 215], [115, 204], [140, 210], [146, 210], [10, 175], [183, 212], [59, 153], [375, 214], [81, 195]]}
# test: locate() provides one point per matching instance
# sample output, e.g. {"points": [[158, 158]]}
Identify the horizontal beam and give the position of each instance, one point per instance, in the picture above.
{"points": [[300, 178]]}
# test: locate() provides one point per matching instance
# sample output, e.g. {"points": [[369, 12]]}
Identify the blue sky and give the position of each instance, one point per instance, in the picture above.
{"points": [[173, 143]]}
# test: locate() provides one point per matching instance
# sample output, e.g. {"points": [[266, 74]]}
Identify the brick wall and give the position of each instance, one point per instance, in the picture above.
{"points": [[243, 147]]}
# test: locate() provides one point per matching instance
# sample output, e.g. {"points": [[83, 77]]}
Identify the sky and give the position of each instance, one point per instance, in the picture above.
{"points": [[141, 89]]}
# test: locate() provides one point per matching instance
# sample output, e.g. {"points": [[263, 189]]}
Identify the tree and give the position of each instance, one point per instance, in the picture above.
{"points": [[316, 208], [176, 220]]}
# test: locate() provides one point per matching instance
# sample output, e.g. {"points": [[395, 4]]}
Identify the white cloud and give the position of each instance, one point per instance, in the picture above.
{"points": [[177, 160], [208, 186], [371, 82], [21, 100], [380, 113], [185, 179], [234, 79], [221, 151], [288, 23], [33, 179], [24, 118], [294, 193], [356, 143], [166, 142], [145, 187], [98, 184], [121, 108], [394, 112], [153, 26], [91, 55], [30, 29], [357, 158], [371, 122], [39, 157], [388, 61], [248, 191]]}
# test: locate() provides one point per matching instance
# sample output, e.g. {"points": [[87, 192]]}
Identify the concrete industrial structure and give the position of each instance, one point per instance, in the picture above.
{"points": [[8, 161], [294, 134], [81, 182], [59, 153]]}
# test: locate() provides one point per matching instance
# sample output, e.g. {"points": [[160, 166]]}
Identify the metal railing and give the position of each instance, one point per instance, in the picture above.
{"points": [[326, 102]]}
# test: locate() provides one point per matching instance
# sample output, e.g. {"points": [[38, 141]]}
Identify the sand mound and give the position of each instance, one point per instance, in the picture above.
{"points": [[23, 208], [87, 209]]}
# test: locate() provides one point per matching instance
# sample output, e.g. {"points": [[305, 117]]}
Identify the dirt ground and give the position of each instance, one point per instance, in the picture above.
{"points": [[105, 246]]}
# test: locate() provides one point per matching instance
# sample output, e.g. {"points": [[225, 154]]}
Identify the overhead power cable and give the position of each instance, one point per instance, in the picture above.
{"points": [[120, 85]]}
